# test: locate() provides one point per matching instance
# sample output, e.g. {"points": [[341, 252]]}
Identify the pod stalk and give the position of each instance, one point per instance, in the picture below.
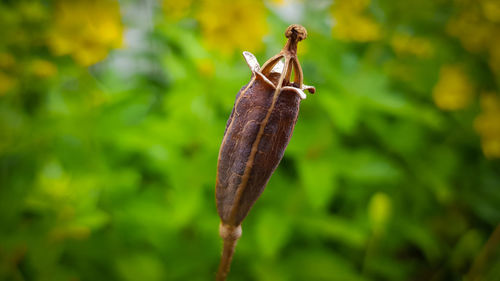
{"points": [[230, 236]]}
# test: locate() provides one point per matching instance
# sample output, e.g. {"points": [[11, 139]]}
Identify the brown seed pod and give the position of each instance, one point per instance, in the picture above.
{"points": [[257, 133]]}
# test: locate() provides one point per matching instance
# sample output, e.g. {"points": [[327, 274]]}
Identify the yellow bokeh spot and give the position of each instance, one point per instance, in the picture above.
{"points": [[491, 10], [352, 22], [282, 3], [86, 29], [494, 51], [43, 68], [476, 24], [7, 61], [7, 83], [228, 26], [453, 90], [487, 124], [175, 9], [473, 33], [491, 147], [404, 44]]}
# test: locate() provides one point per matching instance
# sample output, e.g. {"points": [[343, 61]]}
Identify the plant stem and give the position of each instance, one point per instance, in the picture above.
{"points": [[230, 235], [482, 258], [225, 262]]}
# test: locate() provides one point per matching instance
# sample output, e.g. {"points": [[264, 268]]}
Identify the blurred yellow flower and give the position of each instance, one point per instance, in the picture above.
{"points": [[454, 90], [7, 82], [405, 44], [491, 10], [86, 29], [476, 24], [7, 61], [278, 2], [352, 23], [175, 9], [233, 25], [487, 124], [494, 59], [471, 30], [43, 68]]}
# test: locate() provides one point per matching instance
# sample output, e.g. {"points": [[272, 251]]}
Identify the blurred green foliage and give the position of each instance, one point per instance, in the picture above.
{"points": [[108, 156]]}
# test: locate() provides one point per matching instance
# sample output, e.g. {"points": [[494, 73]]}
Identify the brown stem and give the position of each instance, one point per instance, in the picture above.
{"points": [[286, 74], [230, 235], [485, 253], [298, 79]]}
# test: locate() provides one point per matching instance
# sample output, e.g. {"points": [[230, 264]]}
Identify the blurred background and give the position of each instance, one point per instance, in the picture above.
{"points": [[112, 113]]}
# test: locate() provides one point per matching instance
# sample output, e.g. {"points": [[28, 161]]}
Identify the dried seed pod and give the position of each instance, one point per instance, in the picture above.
{"points": [[257, 133]]}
